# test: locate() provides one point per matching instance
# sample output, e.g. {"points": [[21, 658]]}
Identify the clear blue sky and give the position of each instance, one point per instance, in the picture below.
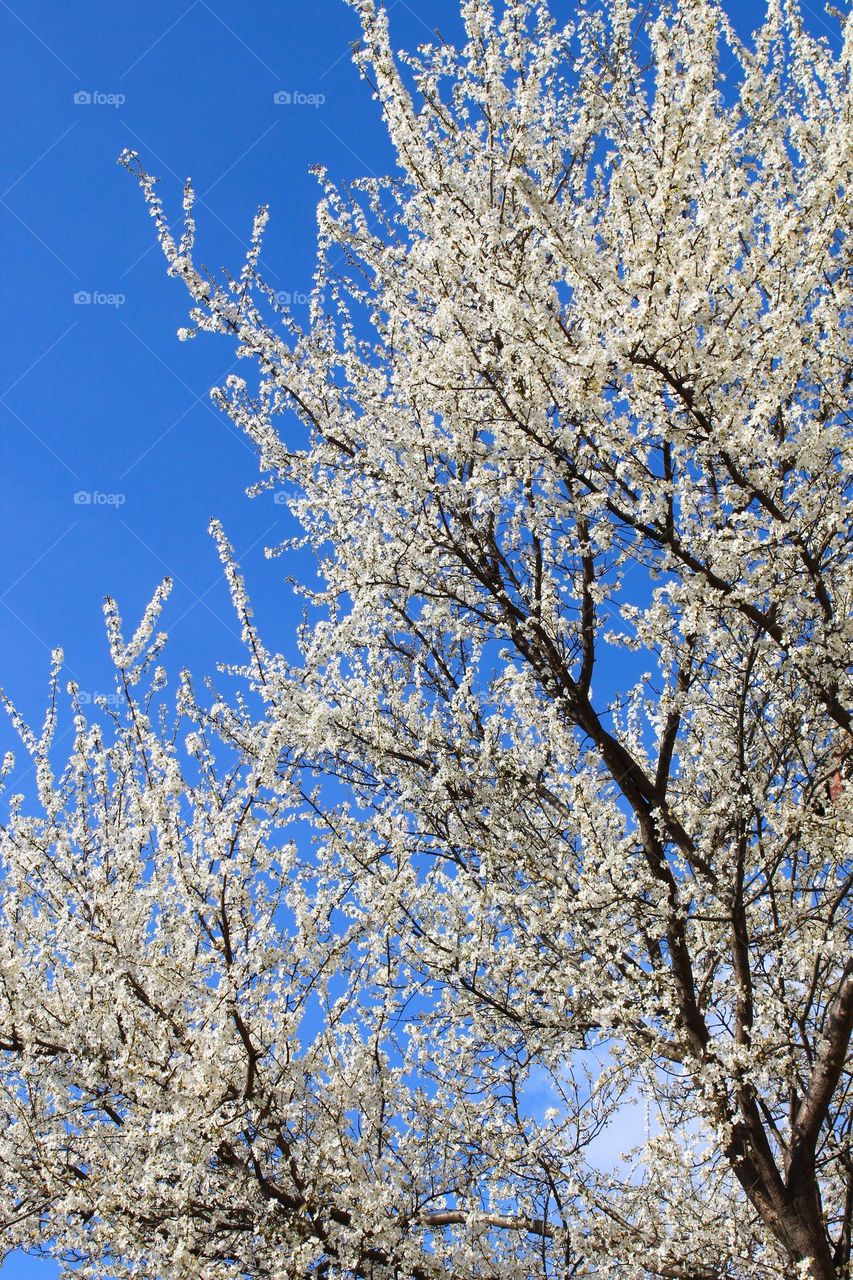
{"points": [[99, 398]]}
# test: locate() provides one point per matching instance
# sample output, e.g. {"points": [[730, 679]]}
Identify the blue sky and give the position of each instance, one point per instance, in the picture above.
{"points": [[98, 397]]}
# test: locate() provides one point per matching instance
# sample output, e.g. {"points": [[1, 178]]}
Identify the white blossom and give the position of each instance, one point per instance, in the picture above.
{"points": [[344, 973]]}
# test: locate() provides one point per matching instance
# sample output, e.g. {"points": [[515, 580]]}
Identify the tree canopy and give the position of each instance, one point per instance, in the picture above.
{"points": [[554, 803]]}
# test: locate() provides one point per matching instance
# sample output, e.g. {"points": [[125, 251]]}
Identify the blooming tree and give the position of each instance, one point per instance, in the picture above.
{"points": [[342, 974]]}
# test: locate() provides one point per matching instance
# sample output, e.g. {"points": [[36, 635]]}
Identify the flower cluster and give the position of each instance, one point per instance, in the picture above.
{"points": [[552, 812]]}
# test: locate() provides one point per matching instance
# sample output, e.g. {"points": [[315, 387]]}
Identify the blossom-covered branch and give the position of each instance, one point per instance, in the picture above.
{"points": [[551, 818]]}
